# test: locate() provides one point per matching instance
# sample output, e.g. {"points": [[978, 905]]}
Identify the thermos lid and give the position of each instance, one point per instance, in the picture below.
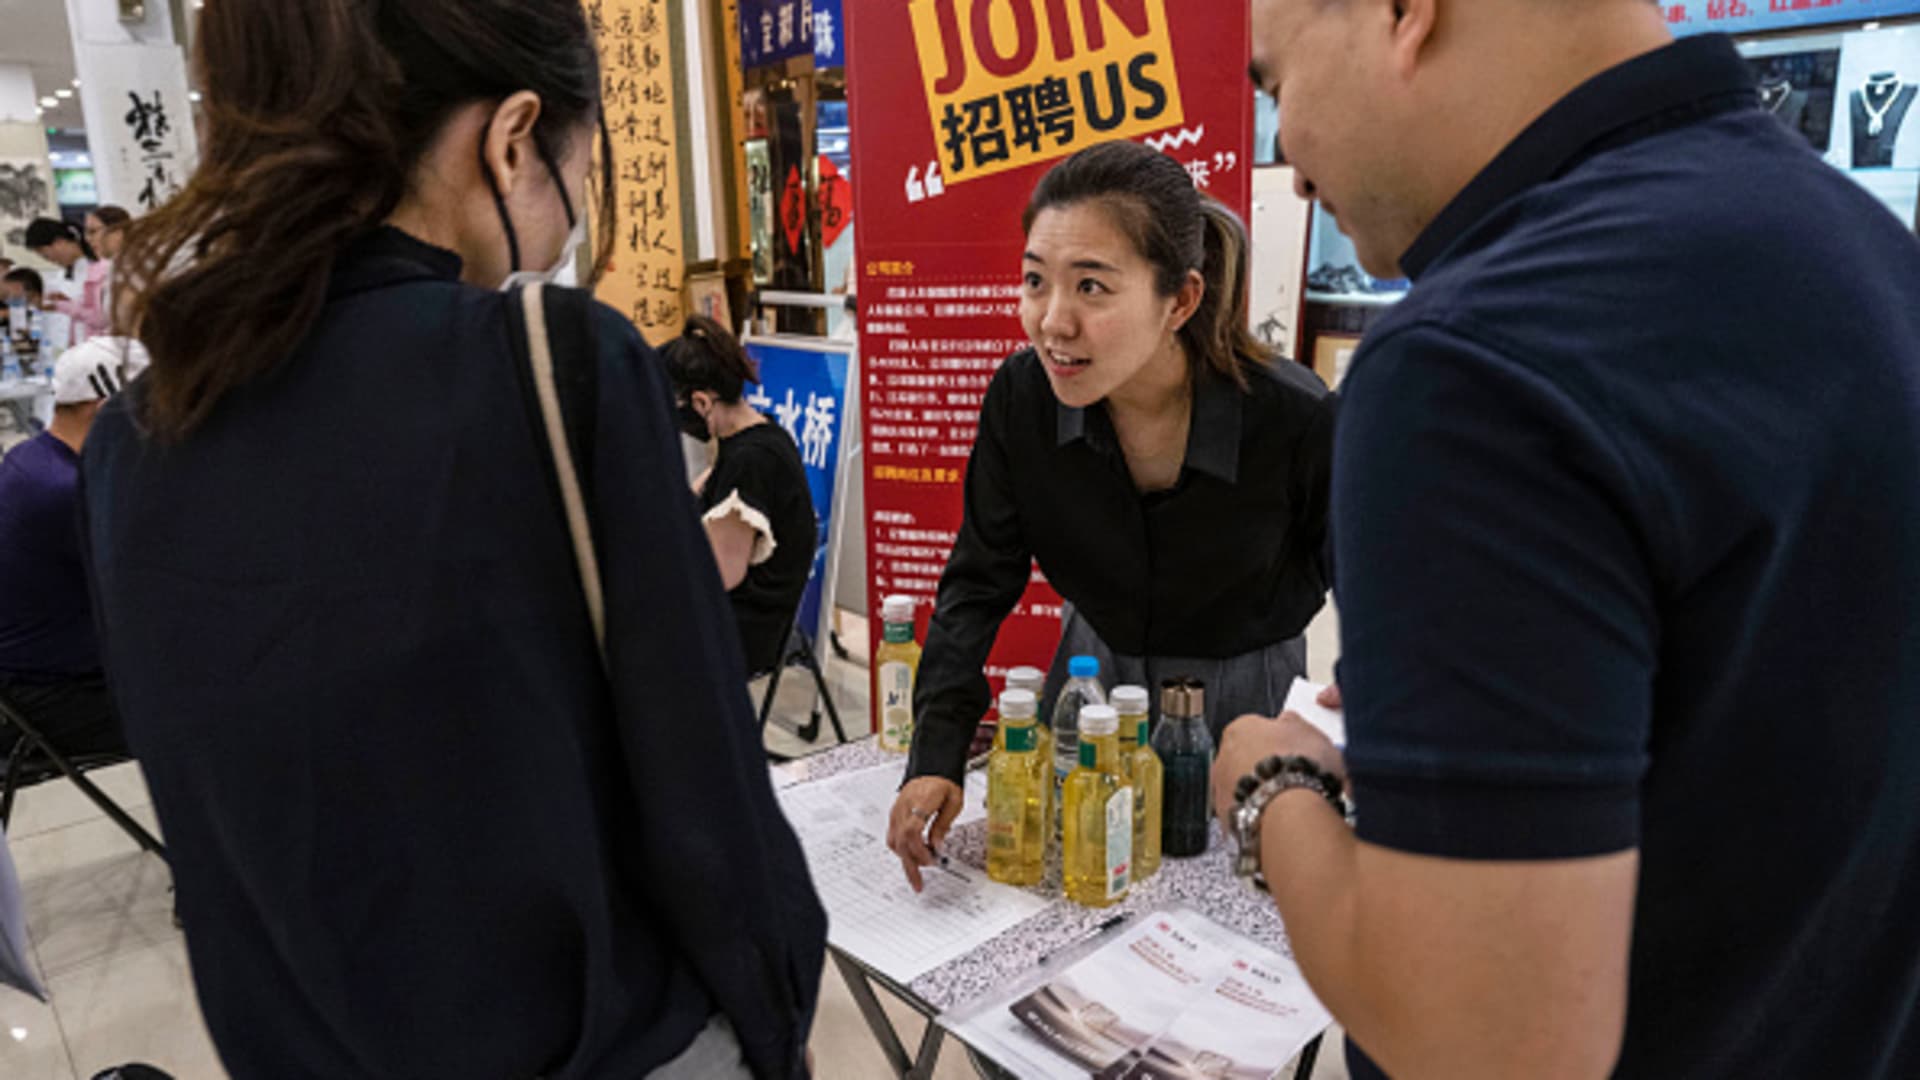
{"points": [[1184, 698]]}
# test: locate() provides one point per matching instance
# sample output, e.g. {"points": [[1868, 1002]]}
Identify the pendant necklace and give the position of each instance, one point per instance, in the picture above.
{"points": [[1774, 95], [1877, 117]]}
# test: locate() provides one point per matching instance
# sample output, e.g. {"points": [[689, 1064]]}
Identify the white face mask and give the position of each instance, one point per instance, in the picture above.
{"points": [[568, 254]]}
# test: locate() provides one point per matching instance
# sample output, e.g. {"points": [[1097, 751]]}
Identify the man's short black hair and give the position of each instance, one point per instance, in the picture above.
{"points": [[29, 278], [44, 232]]}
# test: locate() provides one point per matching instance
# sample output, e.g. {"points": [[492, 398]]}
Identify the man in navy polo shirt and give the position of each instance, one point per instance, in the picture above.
{"points": [[49, 657], [1627, 533]]}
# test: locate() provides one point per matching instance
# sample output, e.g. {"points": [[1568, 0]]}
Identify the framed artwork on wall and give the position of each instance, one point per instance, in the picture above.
{"points": [[1332, 355]]}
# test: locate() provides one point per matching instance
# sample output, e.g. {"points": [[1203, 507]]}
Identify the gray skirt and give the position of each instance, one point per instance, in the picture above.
{"points": [[1256, 682], [714, 1055]]}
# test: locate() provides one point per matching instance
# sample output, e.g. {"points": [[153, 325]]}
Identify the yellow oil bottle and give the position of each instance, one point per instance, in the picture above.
{"points": [[1019, 792], [1097, 846], [1143, 768], [896, 665]]}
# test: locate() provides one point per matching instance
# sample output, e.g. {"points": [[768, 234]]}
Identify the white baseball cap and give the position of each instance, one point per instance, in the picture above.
{"points": [[97, 369]]}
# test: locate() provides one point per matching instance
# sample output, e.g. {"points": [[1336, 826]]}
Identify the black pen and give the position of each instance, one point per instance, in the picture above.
{"points": [[1083, 939]]}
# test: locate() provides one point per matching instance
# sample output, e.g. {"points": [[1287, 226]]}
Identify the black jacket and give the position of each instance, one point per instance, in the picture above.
{"points": [[416, 831]]}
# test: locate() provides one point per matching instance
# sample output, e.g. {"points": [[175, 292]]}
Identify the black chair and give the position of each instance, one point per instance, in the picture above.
{"points": [[34, 760], [799, 650]]}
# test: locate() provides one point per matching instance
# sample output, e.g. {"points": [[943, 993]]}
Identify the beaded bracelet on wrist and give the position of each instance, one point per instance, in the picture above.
{"points": [[1253, 794]]}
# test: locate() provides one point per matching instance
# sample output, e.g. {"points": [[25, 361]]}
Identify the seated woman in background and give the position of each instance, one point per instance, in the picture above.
{"points": [[755, 501]]}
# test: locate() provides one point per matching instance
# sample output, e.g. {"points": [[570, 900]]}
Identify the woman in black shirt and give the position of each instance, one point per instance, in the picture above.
{"points": [[424, 823], [755, 502], [1167, 473]]}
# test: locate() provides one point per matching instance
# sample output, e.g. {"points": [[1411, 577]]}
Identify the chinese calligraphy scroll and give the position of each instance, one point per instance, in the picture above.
{"points": [[141, 131], [649, 261]]}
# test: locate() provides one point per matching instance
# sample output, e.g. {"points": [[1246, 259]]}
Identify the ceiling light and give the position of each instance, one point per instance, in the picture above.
{"points": [[63, 94], [49, 103]]}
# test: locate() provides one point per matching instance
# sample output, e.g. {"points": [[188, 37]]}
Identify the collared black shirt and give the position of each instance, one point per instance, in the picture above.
{"points": [[1627, 528], [1230, 560], [417, 828]]}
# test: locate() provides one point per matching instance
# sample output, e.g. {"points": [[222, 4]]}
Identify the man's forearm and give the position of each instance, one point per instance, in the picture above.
{"points": [[1310, 859], [1443, 969]]}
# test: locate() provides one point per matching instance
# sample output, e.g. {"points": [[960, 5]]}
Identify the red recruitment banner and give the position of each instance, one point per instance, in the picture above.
{"points": [[958, 108]]}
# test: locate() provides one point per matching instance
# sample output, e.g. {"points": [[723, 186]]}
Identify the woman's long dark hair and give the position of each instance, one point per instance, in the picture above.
{"points": [[317, 112], [1151, 198]]}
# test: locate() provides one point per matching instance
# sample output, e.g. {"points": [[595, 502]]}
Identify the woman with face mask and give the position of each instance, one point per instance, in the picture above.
{"points": [[422, 824], [755, 502], [1166, 471]]}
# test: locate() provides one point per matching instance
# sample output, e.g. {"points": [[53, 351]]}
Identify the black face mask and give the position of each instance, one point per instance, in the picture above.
{"points": [[692, 423]]}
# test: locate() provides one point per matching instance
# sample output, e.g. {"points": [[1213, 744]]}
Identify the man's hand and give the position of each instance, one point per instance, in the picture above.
{"points": [[1252, 739], [921, 817]]}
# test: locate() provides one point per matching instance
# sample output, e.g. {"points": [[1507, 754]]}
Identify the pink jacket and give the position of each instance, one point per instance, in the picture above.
{"points": [[91, 317]]}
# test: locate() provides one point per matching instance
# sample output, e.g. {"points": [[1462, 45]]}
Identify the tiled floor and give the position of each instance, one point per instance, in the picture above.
{"points": [[100, 917]]}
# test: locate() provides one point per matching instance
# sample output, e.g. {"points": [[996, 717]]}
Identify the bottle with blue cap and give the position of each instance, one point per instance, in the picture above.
{"points": [[1083, 689]]}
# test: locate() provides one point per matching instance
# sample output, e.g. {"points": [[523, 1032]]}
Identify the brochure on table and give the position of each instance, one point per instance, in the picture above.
{"points": [[872, 914], [1173, 995]]}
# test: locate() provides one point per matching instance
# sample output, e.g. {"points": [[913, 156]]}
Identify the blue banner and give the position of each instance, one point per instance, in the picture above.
{"points": [[829, 44], [804, 390], [775, 31], [1759, 16]]}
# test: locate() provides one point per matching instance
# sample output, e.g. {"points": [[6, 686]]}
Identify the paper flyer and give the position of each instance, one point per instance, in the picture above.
{"points": [[871, 912], [1304, 698], [1175, 997], [1117, 999]]}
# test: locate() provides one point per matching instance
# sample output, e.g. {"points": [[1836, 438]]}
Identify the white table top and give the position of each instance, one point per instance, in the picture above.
{"points": [[27, 389], [1206, 884]]}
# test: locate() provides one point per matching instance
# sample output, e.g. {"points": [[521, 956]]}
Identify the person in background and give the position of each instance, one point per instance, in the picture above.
{"points": [[1627, 538], [20, 287], [755, 501], [80, 289], [106, 231], [421, 823], [49, 655], [23, 284], [1167, 471]]}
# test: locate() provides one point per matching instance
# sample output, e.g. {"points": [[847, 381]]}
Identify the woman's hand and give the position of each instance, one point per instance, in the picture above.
{"points": [[921, 817]]}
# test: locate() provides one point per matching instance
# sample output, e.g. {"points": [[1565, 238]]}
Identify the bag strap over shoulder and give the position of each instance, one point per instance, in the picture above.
{"points": [[561, 368]]}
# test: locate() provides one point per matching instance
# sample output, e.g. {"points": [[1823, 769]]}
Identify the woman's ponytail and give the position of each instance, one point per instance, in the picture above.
{"points": [[707, 357], [1219, 330]]}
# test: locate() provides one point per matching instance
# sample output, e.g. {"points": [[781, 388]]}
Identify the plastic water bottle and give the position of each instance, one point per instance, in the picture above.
{"points": [[1082, 689]]}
